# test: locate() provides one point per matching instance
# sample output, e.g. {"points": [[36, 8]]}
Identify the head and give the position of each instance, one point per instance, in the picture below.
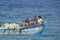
{"points": [[34, 16], [39, 17]]}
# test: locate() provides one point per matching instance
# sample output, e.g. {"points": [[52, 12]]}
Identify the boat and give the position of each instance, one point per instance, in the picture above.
{"points": [[15, 29]]}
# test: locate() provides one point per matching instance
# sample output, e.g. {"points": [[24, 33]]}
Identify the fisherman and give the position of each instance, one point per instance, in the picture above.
{"points": [[40, 20], [34, 20], [26, 21]]}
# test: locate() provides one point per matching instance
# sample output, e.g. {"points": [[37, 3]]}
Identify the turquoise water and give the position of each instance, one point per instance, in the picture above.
{"points": [[12, 11]]}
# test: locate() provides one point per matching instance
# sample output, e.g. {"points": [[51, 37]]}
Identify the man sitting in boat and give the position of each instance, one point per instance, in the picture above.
{"points": [[40, 20], [26, 21], [34, 20]]}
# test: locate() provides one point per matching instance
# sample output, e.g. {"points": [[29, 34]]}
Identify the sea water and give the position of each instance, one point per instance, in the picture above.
{"points": [[14, 11]]}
